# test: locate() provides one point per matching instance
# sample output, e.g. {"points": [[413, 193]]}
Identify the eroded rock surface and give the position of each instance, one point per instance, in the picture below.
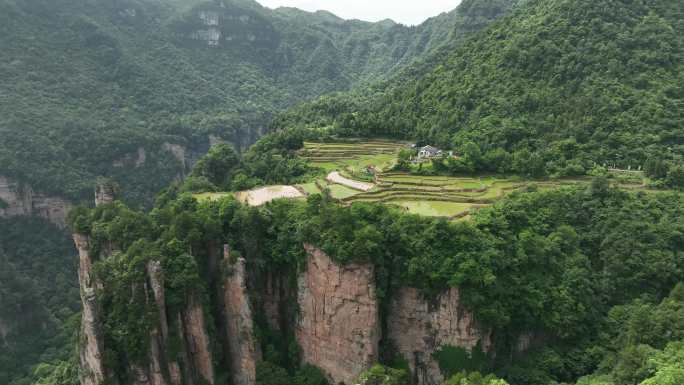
{"points": [[93, 370], [338, 327], [418, 328], [243, 349], [197, 341], [19, 199]]}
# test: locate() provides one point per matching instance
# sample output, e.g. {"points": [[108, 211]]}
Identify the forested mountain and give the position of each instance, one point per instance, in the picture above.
{"points": [[537, 283], [38, 296], [553, 88], [87, 83], [572, 282], [94, 88]]}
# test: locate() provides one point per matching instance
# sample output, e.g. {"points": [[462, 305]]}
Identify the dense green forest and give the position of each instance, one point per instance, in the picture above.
{"points": [[86, 83], [555, 88], [534, 88], [39, 302], [576, 266]]}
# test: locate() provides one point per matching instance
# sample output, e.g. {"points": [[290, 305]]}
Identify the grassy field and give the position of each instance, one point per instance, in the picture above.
{"points": [[309, 188], [341, 192], [434, 208], [352, 156], [371, 161], [211, 196]]}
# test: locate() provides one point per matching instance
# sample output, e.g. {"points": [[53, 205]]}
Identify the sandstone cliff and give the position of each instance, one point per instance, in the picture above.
{"points": [[338, 328], [418, 328], [243, 349], [92, 370], [20, 199], [337, 325], [192, 365]]}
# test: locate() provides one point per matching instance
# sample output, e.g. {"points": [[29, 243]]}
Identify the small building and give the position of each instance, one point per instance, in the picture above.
{"points": [[428, 152]]}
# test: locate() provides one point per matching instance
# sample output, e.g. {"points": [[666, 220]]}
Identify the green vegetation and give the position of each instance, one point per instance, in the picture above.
{"points": [[341, 192], [474, 378], [382, 375], [39, 298], [271, 374], [589, 270], [422, 188], [434, 208], [453, 360], [310, 188], [550, 261], [644, 345], [554, 89], [148, 74]]}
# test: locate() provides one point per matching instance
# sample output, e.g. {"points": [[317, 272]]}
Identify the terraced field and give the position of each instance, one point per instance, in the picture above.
{"points": [[438, 196], [370, 162], [349, 168], [352, 156]]}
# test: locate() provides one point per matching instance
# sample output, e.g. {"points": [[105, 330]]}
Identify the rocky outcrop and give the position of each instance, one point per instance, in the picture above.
{"points": [[154, 373], [197, 341], [92, 368], [212, 34], [242, 347], [18, 199], [193, 364], [106, 192], [338, 328], [418, 328]]}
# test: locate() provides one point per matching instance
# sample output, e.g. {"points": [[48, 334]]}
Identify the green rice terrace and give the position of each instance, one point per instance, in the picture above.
{"points": [[362, 171]]}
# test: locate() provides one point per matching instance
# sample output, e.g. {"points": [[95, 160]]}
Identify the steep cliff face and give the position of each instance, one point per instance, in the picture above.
{"points": [[193, 364], [243, 350], [20, 199], [338, 328], [337, 325], [419, 328], [197, 341], [92, 342]]}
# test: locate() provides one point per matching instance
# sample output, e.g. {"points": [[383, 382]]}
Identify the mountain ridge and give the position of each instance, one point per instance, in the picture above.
{"points": [[561, 85], [137, 73]]}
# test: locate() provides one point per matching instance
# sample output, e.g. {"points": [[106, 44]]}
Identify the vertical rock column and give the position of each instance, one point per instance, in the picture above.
{"points": [[418, 328], [338, 327], [159, 335], [243, 349], [92, 368], [91, 345], [197, 340]]}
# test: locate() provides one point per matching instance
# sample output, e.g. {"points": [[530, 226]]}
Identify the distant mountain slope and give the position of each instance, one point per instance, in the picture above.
{"points": [[38, 295], [558, 85], [86, 83]]}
